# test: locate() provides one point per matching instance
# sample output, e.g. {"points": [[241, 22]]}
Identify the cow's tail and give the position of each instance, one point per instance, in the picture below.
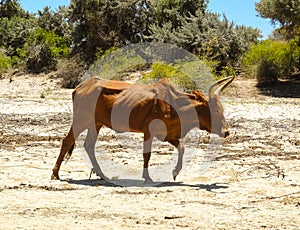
{"points": [[69, 153]]}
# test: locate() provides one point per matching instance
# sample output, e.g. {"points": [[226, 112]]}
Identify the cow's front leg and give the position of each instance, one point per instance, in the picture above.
{"points": [[180, 149], [89, 145], [146, 155]]}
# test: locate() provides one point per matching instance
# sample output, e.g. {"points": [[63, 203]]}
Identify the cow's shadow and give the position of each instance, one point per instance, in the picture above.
{"points": [[140, 183]]}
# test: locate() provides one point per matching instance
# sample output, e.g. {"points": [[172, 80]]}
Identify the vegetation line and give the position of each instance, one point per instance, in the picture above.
{"points": [[72, 38]]}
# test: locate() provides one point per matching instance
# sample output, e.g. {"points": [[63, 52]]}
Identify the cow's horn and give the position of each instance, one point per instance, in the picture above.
{"points": [[219, 86]]}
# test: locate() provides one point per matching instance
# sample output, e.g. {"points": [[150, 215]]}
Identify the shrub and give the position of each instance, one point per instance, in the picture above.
{"points": [[42, 51], [39, 59], [267, 72], [71, 71], [185, 75], [114, 63], [160, 70], [268, 61], [4, 63], [294, 50]]}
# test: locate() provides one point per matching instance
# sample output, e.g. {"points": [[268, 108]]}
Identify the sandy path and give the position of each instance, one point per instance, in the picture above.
{"points": [[253, 183]]}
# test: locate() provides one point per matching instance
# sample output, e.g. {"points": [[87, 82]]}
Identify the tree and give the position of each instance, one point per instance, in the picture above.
{"points": [[15, 27], [14, 32], [56, 21], [12, 8], [171, 11], [284, 12], [207, 35], [100, 25]]}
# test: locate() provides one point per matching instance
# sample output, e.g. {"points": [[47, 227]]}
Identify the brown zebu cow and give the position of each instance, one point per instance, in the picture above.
{"points": [[158, 110]]}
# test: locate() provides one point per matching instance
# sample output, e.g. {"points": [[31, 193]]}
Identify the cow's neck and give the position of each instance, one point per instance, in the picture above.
{"points": [[188, 118]]}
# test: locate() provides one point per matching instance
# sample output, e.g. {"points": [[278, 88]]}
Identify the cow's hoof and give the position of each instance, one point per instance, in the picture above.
{"points": [[102, 177], [54, 177], [148, 181], [175, 174]]}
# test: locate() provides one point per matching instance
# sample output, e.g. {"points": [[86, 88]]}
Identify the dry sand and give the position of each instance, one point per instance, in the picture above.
{"points": [[252, 183]]}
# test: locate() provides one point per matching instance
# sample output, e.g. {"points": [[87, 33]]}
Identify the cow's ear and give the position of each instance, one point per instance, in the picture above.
{"points": [[192, 96], [199, 96]]}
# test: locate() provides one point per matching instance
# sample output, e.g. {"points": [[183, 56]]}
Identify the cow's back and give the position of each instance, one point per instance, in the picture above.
{"points": [[97, 85], [86, 96]]}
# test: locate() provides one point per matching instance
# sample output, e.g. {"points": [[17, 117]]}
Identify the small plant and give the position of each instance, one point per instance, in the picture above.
{"points": [[4, 63], [45, 92], [228, 71]]}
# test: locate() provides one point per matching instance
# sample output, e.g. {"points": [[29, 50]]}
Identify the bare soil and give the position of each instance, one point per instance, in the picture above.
{"points": [[251, 180]]}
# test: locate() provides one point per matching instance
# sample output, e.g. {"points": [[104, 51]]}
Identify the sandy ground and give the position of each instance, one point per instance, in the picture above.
{"points": [[249, 181]]}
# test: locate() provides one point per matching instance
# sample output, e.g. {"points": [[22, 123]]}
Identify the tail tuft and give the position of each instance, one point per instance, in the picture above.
{"points": [[69, 154]]}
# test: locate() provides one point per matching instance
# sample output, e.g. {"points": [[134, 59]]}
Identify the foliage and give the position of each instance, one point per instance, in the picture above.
{"points": [[12, 8], [95, 28], [268, 61], [71, 71], [205, 35], [286, 59], [185, 75], [285, 12], [105, 24], [160, 70], [4, 63], [294, 51], [42, 50], [58, 45], [115, 61], [171, 11], [45, 92], [14, 32], [100, 25], [56, 21], [15, 27]]}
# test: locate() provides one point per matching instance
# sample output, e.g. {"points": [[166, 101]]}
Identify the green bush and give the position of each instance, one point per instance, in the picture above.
{"points": [[267, 72], [268, 61], [4, 63], [186, 75], [294, 49], [42, 51], [160, 70]]}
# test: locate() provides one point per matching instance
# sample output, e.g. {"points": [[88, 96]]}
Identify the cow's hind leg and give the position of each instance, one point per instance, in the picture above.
{"points": [[180, 148], [67, 146], [89, 145], [146, 156]]}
